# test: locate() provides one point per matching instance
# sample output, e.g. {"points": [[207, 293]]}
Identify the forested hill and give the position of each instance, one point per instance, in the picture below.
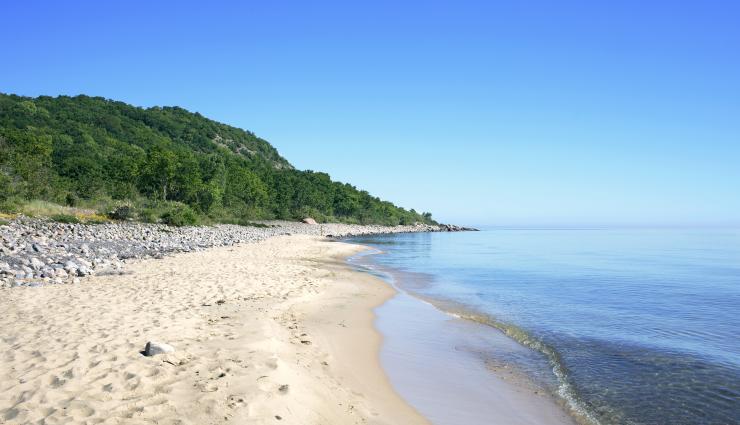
{"points": [[163, 162]]}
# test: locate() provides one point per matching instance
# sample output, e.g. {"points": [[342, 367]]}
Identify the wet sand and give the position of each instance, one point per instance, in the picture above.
{"points": [[441, 365]]}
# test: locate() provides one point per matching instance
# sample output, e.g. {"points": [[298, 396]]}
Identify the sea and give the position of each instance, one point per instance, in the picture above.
{"points": [[619, 325]]}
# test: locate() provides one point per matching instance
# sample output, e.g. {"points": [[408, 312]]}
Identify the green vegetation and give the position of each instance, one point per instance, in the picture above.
{"points": [[65, 218], [161, 164]]}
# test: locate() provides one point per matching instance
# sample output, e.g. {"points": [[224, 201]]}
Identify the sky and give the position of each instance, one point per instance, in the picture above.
{"points": [[482, 112]]}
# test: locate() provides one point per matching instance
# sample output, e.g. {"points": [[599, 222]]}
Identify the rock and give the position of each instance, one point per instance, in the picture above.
{"points": [[36, 263], [153, 348], [81, 250], [455, 228]]}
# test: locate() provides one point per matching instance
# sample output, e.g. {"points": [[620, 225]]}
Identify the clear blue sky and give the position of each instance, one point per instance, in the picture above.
{"points": [[483, 112]]}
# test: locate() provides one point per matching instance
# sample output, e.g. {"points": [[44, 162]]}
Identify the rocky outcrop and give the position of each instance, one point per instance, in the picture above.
{"points": [[454, 228]]}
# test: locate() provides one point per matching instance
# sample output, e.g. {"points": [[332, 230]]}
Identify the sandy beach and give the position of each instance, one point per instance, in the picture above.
{"points": [[279, 331]]}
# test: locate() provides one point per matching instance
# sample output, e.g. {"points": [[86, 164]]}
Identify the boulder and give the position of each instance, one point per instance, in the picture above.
{"points": [[153, 348], [309, 220]]}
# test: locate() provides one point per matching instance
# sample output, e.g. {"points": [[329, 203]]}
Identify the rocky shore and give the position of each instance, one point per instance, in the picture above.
{"points": [[36, 252]]}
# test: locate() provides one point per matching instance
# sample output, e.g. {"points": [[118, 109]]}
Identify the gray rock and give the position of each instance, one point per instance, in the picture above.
{"points": [[81, 250], [36, 263], [153, 348]]}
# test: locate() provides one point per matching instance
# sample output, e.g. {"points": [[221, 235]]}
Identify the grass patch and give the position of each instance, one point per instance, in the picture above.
{"points": [[91, 218], [56, 212], [43, 209], [3, 222]]}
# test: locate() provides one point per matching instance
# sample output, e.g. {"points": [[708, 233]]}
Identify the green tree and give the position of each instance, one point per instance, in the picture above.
{"points": [[158, 172]]}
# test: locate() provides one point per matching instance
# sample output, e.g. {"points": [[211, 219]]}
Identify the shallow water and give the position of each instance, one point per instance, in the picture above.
{"points": [[639, 326], [441, 364]]}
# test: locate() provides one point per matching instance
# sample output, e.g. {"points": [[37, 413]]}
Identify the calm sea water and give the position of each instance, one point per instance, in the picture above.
{"points": [[638, 326]]}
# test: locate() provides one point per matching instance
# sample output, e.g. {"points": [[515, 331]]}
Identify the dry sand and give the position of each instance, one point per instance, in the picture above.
{"points": [[279, 331]]}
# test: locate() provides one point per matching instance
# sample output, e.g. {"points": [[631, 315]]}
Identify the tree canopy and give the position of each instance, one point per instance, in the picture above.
{"points": [[86, 149]]}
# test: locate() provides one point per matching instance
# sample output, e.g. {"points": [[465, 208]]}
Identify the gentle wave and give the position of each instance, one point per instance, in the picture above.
{"points": [[565, 391], [574, 404], [638, 327]]}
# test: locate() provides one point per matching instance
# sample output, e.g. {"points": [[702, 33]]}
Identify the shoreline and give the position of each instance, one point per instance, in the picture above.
{"points": [[35, 252], [285, 329], [279, 330], [437, 361]]}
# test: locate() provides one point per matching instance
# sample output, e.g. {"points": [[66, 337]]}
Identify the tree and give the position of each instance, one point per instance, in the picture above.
{"points": [[158, 172], [62, 148], [28, 156]]}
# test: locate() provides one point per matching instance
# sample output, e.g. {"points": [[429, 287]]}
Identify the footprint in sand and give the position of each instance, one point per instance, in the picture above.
{"points": [[272, 363], [79, 410], [235, 401], [55, 382], [11, 413]]}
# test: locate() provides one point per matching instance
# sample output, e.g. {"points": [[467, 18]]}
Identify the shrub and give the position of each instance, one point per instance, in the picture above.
{"points": [[253, 224], [65, 218], [180, 215], [123, 212], [71, 200]]}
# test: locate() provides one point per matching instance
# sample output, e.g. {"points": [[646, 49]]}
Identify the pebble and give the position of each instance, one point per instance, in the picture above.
{"points": [[43, 252]]}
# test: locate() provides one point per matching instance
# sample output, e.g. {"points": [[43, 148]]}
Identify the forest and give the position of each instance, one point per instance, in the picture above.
{"points": [[163, 164]]}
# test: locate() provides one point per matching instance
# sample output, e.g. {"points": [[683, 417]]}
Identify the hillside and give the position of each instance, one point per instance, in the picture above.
{"points": [[163, 164]]}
